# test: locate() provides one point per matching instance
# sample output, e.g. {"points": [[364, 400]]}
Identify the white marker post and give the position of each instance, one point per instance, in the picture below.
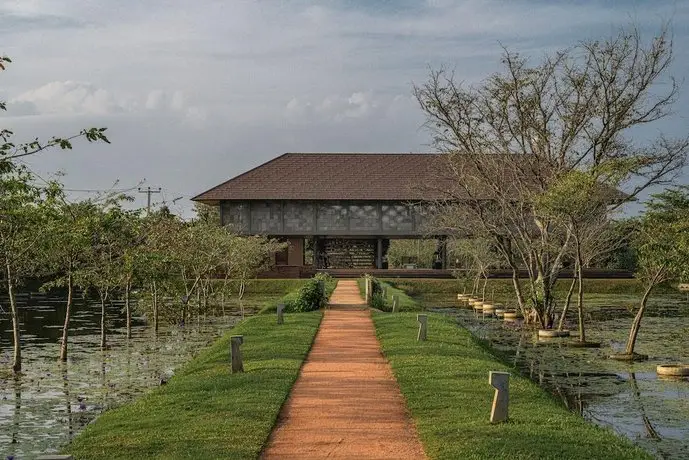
{"points": [[423, 322], [501, 382]]}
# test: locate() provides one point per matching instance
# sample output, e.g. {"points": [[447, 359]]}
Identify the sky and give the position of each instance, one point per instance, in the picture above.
{"points": [[196, 92]]}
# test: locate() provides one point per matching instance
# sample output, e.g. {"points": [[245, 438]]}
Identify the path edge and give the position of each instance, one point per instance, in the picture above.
{"points": [[266, 441]]}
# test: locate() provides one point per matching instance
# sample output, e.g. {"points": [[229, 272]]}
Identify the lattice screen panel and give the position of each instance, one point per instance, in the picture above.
{"points": [[236, 215], [363, 217], [332, 217], [397, 218], [299, 217], [266, 217]]}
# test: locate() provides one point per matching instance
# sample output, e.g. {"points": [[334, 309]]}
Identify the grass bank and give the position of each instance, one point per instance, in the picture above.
{"points": [[445, 383], [504, 287], [291, 297], [264, 286], [406, 303], [205, 411]]}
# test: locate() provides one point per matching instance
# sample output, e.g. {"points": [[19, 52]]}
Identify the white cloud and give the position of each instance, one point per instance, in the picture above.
{"points": [[334, 108], [71, 97]]}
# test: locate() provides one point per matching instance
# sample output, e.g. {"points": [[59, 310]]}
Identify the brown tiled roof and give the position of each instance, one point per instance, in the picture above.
{"points": [[337, 176]]}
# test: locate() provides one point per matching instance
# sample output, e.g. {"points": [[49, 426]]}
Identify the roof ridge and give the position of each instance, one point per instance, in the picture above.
{"points": [[319, 175]]}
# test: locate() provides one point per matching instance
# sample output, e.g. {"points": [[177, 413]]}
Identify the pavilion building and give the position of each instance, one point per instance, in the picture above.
{"points": [[342, 209]]}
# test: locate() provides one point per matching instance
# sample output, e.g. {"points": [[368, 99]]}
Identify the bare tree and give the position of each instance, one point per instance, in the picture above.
{"points": [[511, 137]]}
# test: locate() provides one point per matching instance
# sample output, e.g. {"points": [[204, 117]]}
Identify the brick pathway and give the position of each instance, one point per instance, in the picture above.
{"points": [[346, 402]]}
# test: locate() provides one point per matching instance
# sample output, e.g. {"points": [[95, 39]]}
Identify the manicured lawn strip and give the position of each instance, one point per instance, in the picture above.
{"points": [[445, 383], [205, 411], [272, 306], [264, 286], [406, 303]]}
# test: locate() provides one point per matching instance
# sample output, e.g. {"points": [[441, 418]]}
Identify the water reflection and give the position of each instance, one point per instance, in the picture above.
{"points": [[46, 406], [653, 412]]}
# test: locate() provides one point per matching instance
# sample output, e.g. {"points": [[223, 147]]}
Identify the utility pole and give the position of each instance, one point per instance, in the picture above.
{"points": [[149, 191]]}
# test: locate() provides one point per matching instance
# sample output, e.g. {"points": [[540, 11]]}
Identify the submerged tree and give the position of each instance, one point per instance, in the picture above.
{"points": [[662, 245], [65, 251], [20, 235], [21, 208], [513, 136]]}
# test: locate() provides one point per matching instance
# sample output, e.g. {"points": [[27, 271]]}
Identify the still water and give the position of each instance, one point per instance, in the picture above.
{"points": [[628, 398], [45, 407]]}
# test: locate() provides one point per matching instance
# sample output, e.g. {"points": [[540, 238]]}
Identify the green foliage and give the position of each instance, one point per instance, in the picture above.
{"points": [[307, 296], [419, 252], [662, 243], [310, 297], [405, 303], [204, 411], [207, 213], [445, 384]]}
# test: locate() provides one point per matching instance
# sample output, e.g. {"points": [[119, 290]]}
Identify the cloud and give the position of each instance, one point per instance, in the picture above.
{"points": [[333, 108], [257, 78], [70, 97]]}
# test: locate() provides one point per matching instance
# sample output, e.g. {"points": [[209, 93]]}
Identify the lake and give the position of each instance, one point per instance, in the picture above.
{"points": [[629, 398], [51, 402]]}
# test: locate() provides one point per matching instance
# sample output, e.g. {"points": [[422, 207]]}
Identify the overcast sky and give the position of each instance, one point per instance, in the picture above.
{"points": [[195, 92]]}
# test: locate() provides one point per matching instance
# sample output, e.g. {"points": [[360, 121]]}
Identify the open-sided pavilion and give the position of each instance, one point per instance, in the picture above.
{"points": [[344, 207]]}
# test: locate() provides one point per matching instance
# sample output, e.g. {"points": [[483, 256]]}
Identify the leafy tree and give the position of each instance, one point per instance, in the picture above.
{"points": [[21, 203], [662, 245], [419, 252], [511, 138], [156, 259], [102, 271], [481, 256], [207, 214], [21, 221], [65, 251]]}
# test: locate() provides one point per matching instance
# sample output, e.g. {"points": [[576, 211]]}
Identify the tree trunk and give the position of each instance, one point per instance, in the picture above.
{"points": [[154, 295], [68, 313], [103, 342], [483, 289], [222, 302], [17, 358], [580, 298], [242, 287], [127, 290], [570, 292], [185, 302], [636, 324], [547, 318]]}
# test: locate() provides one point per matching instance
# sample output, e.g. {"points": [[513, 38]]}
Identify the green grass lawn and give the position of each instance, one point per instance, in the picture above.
{"points": [[445, 383], [406, 303], [205, 411]]}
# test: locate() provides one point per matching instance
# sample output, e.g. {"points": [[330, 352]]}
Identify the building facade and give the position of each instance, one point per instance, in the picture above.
{"points": [[336, 210]]}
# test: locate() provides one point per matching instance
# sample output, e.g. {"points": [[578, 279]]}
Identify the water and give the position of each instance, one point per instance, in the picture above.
{"points": [[629, 398], [45, 407]]}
